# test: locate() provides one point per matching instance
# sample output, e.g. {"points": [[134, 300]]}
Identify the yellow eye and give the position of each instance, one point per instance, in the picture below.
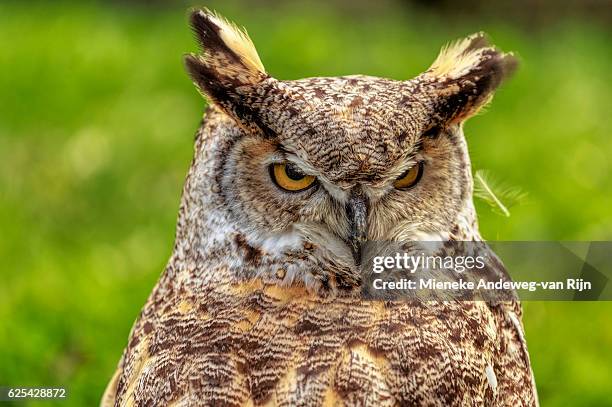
{"points": [[290, 178], [410, 177]]}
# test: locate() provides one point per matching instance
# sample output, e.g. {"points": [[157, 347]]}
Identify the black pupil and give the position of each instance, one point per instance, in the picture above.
{"points": [[293, 173], [418, 168], [404, 173]]}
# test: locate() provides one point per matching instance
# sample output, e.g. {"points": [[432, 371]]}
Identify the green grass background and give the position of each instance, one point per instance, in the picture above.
{"points": [[96, 127]]}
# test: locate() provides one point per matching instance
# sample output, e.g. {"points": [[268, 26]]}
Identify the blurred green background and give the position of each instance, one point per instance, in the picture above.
{"points": [[97, 119]]}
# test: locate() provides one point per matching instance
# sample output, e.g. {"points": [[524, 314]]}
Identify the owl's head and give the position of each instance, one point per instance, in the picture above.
{"points": [[328, 163]]}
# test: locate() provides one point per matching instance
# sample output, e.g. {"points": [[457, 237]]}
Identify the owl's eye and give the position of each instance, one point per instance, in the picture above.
{"points": [[409, 178], [290, 178]]}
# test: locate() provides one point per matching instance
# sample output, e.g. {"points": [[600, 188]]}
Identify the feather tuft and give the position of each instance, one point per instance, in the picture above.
{"points": [[498, 196], [236, 39], [458, 58]]}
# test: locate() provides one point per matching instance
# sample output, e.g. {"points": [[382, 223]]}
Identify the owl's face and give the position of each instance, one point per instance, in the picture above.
{"points": [[357, 146], [338, 161]]}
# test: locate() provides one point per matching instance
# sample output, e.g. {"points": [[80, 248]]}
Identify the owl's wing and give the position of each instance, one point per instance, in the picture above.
{"points": [[108, 398], [518, 384]]}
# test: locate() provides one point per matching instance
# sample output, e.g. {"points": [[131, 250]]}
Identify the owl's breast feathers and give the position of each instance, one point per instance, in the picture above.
{"points": [[250, 344]]}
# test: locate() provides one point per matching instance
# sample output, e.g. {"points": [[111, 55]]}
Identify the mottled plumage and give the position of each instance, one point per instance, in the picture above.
{"points": [[260, 303]]}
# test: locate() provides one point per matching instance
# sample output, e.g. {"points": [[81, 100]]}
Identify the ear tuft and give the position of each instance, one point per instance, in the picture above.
{"points": [[460, 57], [466, 73], [218, 35], [228, 71], [228, 61]]}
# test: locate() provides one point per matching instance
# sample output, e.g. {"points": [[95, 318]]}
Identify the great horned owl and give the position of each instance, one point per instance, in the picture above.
{"points": [[259, 303]]}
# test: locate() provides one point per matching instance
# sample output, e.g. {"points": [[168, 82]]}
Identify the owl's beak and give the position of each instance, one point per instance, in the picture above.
{"points": [[357, 214]]}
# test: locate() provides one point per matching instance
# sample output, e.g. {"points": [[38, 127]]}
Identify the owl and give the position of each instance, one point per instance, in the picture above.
{"points": [[261, 300]]}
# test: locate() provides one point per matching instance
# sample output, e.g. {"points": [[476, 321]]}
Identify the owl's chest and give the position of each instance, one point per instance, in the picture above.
{"points": [[288, 348]]}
